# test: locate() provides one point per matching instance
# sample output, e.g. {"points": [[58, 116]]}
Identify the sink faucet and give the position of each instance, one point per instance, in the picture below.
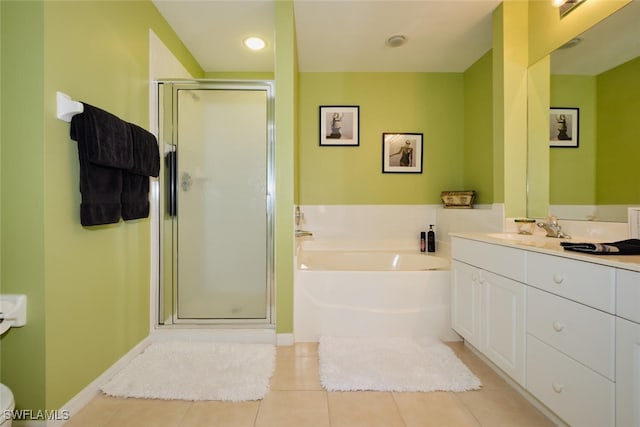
{"points": [[553, 229]]}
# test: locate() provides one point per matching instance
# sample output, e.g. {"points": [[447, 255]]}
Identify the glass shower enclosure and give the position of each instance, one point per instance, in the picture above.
{"points": [[216, 203]]}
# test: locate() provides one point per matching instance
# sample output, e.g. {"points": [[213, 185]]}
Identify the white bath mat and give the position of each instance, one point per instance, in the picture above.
{"points": [[391, 364], [196, 371]]}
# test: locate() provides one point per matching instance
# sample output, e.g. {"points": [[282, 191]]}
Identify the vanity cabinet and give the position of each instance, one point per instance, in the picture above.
{"points": [[566, 328], [488, 302], [466, 304], [571, 338], [628, 348]]}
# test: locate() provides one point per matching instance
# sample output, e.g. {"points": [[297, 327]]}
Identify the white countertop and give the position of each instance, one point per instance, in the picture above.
{"points": [[551, 246]]}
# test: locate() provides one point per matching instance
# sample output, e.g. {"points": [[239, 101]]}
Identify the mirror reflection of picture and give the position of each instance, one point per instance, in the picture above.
{"points": [[563, 127]]}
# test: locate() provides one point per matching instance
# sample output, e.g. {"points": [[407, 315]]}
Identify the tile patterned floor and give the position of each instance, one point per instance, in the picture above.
{"points": [[297, 399]]}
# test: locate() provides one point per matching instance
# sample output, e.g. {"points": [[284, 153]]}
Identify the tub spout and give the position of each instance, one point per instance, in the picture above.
{"points": [[303, 233]]}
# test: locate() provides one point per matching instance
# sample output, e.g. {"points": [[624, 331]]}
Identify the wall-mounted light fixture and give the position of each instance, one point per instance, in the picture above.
{"points": [[254, 43], [566, 6]]}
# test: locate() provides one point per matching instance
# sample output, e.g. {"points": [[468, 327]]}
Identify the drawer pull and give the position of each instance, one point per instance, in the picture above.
{"points": [[557, 387], [558, 278], [557, 326]]}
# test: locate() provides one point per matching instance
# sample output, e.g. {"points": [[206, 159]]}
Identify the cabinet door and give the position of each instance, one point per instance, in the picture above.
{"points": [[627, 373], [503, 320], [465, 302]]}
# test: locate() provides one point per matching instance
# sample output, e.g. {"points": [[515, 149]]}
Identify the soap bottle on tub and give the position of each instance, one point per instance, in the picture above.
{"points": [[431, 239]]}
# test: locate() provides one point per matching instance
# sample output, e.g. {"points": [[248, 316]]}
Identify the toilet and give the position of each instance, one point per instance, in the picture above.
{"points": [[7, 406]]}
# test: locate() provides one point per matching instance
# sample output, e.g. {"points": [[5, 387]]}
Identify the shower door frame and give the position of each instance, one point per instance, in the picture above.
{"points": [[167, 135]]}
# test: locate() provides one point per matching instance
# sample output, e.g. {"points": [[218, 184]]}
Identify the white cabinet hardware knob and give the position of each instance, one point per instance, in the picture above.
{"points": [[557, 278], [557, 326], [557, 387]]}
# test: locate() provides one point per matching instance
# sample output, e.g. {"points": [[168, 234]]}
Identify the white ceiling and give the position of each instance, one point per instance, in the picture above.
{"points": [[337, 35]]}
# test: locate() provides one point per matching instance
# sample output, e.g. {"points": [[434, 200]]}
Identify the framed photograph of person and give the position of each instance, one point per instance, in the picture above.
{"points": [[402, 153], [564, 125], [340, 125]]}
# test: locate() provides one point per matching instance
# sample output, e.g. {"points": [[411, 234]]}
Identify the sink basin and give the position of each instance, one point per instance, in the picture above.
{"points": [[13, 309], [537, 241]]}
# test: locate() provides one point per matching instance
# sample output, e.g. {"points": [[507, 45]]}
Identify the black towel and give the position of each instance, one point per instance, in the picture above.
{"points": [[146, 159], [623, 247], [135, 186], [107, 139], [104, 148]]}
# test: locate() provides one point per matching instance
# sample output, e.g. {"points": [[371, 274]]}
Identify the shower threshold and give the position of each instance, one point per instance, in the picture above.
{"points": [[259, 334]]}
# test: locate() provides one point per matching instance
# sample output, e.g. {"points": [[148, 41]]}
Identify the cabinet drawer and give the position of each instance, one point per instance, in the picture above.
{"points": [[508, 262], [587, 283], [575, 393], [628, 295], [585, 334]]}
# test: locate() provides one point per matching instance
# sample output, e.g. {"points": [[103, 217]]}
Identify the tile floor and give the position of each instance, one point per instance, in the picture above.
{"points": [[296, 399]]}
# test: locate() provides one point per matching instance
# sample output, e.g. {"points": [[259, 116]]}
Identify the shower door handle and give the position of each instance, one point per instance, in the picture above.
{"points": [[186, 181], [171, 181]]}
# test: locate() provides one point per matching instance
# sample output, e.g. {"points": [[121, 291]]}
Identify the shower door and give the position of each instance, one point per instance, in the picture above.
{"points": [[217, 223]]}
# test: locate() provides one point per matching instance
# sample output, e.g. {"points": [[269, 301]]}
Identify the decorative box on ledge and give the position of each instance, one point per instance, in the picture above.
{"points": [[458, 199]]}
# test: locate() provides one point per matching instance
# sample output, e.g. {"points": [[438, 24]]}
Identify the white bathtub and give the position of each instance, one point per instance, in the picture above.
{"points": [[371, 294]]}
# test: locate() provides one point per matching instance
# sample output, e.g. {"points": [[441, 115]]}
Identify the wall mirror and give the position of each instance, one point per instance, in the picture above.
{"points": [[597, 73]]}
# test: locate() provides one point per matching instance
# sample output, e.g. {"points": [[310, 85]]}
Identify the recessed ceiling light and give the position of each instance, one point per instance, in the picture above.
{"points": [[254, 43], [396, 41]]}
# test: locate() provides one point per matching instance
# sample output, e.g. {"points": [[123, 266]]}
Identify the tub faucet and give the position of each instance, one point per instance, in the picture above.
{"points": [[553, 229]]}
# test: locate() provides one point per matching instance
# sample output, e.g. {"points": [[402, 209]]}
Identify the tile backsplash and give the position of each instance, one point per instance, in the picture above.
{"points": [[397, 225]]}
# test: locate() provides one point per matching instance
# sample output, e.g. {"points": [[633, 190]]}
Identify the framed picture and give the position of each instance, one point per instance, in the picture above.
{"points": [[563, 127], [340, 125], [402, 153]]}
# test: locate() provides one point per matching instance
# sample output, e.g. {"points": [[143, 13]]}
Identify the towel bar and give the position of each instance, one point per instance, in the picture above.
{"points": [[67, 108]]}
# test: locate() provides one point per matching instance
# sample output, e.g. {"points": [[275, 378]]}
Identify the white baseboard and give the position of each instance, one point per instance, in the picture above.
{"points": [[284, 339], [237, 335], [81, 399]]}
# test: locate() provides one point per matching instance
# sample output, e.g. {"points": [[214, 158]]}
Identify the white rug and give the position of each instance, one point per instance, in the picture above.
{"points": [[196, 371], [391, 364]]}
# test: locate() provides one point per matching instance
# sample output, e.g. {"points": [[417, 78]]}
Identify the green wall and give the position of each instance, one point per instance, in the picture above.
{"points": [[510, 62], [22, 192], [478, 129], [88, 287], [608, 151], [573, 170], [286, 118], [427, 103], [618, 135]]}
